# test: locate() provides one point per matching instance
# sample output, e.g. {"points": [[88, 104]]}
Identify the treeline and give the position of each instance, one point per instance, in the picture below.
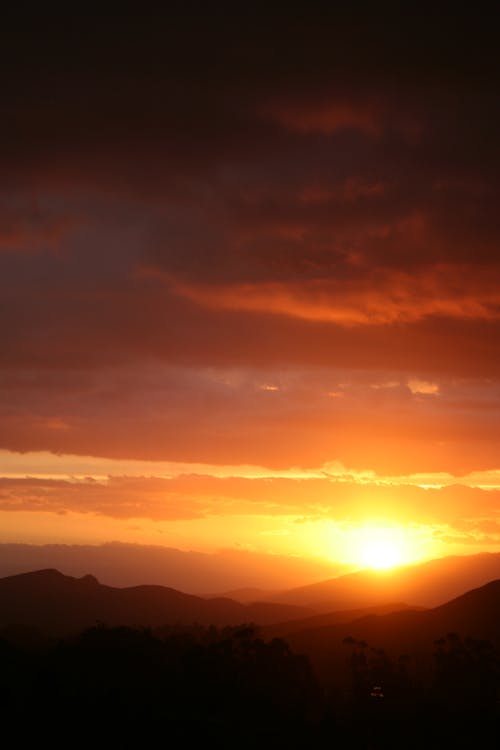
{"points": [[446, 697], [186, 685], [230, 688]]}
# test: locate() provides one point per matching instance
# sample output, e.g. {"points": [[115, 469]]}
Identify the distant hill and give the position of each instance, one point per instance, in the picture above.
{"points": [[199, 573], [58, 604], [427, 585], [475, 614], [286, 629], [247, 595]]}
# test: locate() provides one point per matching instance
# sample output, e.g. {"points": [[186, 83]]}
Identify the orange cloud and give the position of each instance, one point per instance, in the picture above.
{"points": [[382, 297], [423, 386], [326, 117]]}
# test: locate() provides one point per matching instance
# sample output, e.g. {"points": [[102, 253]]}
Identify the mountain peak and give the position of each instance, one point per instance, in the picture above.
{"points": [[43, 573], [89, 580]]}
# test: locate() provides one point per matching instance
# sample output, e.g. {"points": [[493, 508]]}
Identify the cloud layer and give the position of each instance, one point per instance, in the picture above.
{"points": [[230, 241]]}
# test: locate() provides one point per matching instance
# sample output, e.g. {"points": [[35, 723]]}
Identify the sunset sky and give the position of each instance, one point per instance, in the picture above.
{"points": [[250, 280]]}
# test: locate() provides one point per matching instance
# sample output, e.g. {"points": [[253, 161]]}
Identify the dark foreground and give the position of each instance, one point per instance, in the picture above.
{"points": [[229, 688]]}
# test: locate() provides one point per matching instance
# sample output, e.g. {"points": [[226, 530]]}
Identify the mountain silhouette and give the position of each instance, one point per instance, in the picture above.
{"points": [[337, 617], [200, 573], [59, 604], [475, 615], [425, 585]]}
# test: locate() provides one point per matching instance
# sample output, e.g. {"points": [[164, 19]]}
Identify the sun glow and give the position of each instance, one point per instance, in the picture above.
{"points": [[381, 547]]}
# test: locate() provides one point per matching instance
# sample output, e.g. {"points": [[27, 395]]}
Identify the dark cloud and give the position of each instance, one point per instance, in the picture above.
{"points": [[193, 189]]}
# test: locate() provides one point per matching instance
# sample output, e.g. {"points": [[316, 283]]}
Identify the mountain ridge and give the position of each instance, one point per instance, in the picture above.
{"points": [[426, 584], [474, 614], [57, 603]]}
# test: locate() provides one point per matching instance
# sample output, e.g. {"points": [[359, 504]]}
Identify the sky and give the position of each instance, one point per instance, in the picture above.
{"points": [[249, 279]]}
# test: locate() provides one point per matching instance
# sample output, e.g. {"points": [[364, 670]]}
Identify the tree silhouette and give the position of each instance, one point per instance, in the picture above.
{"points": [[467, 674]]}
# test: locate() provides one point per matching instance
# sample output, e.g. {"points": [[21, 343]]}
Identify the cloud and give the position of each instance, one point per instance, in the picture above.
{"points": [[380, 298], [423, 387], [274, 503], [327, 117], [29, 225], [184, 232], [223, 416]]}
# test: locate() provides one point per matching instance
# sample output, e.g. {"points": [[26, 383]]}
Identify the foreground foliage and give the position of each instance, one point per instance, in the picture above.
{"points": [[232, 688]]}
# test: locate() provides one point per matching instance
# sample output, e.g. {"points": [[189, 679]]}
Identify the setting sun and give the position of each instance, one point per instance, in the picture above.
{"points": [[381, 547], [371, 543], [377, 554]]}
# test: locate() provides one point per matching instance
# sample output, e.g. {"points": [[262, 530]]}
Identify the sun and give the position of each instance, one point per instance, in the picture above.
{"points": [[374, 544], [378, 555], [380, 547]]}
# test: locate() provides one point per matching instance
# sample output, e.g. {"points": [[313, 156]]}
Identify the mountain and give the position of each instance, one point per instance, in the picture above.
{"points": [[426, 585], [237, 572], [200, 573], [285, 629], [247, 595], [58, 604], [475, 614]]}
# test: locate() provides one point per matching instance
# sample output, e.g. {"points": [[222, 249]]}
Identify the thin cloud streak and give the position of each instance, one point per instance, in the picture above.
{"points": [[384, 298]]}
